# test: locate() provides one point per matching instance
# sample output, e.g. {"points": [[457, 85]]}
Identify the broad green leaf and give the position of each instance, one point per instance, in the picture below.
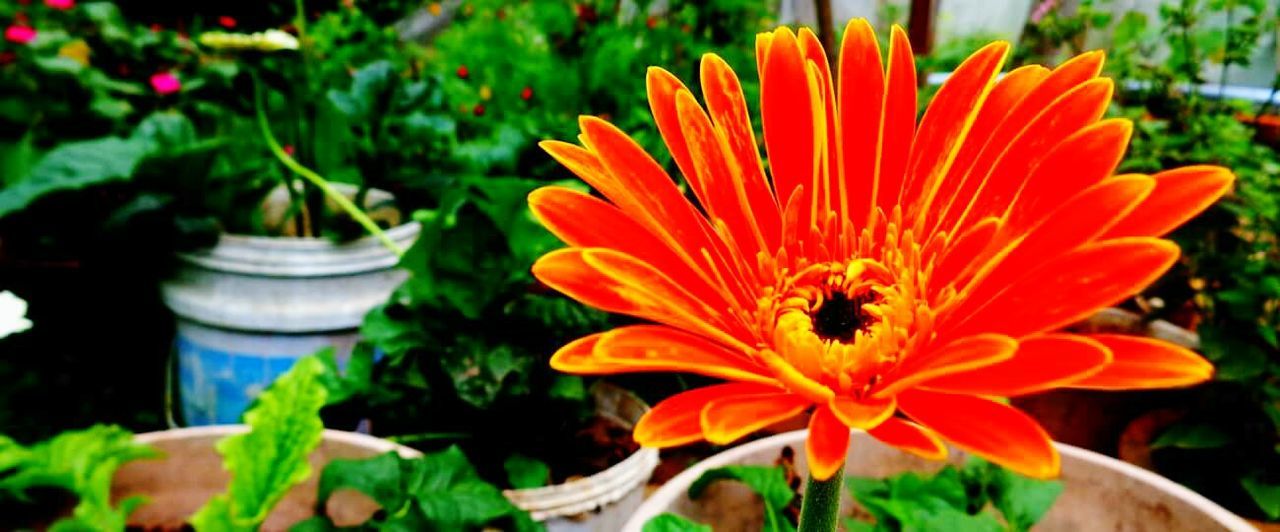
{"points": [[568, 387], [1265, 495], [670, 522], [1021, 500], [524, 472], [1192, 436], [770, 482], [439, 491], [72, 166], [271, 458]]}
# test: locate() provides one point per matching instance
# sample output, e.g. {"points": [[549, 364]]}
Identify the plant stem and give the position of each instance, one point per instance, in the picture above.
{"points": [[821, 506], [428, 436], [320, 182]]}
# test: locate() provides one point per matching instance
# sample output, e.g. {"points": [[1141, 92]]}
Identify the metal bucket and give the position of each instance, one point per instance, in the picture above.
{"points": [[604, 501], [249, 307]]}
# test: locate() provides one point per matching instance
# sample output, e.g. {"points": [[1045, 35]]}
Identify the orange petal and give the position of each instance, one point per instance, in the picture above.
{"points": [[898, 120], [1141, 363], [1072, 112], [563, 210], [963, 354], [616, 282], [1080, 219], [662, 87], [728, 108], [946, 123], [910, 437], [642, 348], [989, 429], [644, 191], [861, 95], [714, 180], [1064, 290], [786, 107], [1006, 95], [960, 256], [677, 420], [828, 444], [727, 419], [1038, 103], [1180, 195], [862, 413], [1085, 158], [1043, 362]]}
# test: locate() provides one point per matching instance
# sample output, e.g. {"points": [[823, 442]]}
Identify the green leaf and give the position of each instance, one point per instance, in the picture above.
{"points": [[669, 522], [770, 482], [82, 462], [1266, 496], [524, 472], [439, 491], [271, 458], [1023, 501], [567, 387], [1192, 436], [72, 166], [481, 372]]}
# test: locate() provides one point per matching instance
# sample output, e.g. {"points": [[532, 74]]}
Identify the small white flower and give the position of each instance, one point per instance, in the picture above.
{"points": [[13, 314], [263, 41]]}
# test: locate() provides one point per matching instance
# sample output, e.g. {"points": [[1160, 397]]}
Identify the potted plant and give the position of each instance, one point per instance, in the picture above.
{"points": [[1093, 492], [281, 471]]}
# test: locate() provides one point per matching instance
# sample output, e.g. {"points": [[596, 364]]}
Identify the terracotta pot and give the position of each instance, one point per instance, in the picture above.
{"points": [[1100, 493], [190, 473]]}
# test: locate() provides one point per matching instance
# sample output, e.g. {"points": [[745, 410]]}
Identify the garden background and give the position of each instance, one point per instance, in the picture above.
{"points": [[132, 131]]}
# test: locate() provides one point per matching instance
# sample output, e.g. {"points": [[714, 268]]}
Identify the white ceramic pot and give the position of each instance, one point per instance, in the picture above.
{"points": [[190, 473], [604, 501], [1100, 493], [249, 307]]}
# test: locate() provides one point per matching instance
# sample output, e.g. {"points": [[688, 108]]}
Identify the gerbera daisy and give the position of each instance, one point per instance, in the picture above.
{"points": [[887, 275]]}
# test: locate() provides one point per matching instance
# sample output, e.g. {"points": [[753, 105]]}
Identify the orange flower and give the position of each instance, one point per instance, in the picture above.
{"points": [[892, 276]]}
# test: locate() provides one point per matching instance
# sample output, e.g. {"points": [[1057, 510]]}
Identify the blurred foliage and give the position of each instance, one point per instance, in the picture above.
{"points": [[1227, 287]]}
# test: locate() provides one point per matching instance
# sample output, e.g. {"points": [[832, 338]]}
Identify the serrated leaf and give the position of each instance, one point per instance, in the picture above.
{"points": [[669, 522], [271, 458], [82, 462]]}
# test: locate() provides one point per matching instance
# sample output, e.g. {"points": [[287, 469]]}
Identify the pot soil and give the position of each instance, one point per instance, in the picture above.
{"points": [[1100, 493], [190, 473]]}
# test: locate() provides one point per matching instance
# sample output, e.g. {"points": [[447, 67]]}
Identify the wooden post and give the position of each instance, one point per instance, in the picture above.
{"points": [[920, 26], [826, 28]]}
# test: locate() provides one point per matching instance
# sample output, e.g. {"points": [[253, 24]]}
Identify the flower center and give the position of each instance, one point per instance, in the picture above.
{"points": [[840, 316]]}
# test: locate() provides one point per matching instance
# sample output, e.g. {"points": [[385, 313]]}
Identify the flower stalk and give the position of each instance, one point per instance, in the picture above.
{"points": [[821, 507]]}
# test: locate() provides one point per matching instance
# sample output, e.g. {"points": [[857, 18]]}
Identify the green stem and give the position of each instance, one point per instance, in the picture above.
{"points": [[320, 182], [428, 436], [821, 506]]}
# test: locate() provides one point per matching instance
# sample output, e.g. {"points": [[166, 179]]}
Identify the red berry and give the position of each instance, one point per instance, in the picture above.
{"points": [[288, 149], [156, 28], [478, 110], [526, 94], [463, 72], [651, 22], [226, 22]]}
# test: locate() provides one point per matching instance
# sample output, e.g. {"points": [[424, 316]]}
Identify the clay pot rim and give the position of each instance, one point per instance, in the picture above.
{"points": [[661, 500], [353, 439]]}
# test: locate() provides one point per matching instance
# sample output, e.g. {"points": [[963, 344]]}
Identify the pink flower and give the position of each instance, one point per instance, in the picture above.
{"points": [[20, 34], [60, 4], [1042, 10], [165, 83]]}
